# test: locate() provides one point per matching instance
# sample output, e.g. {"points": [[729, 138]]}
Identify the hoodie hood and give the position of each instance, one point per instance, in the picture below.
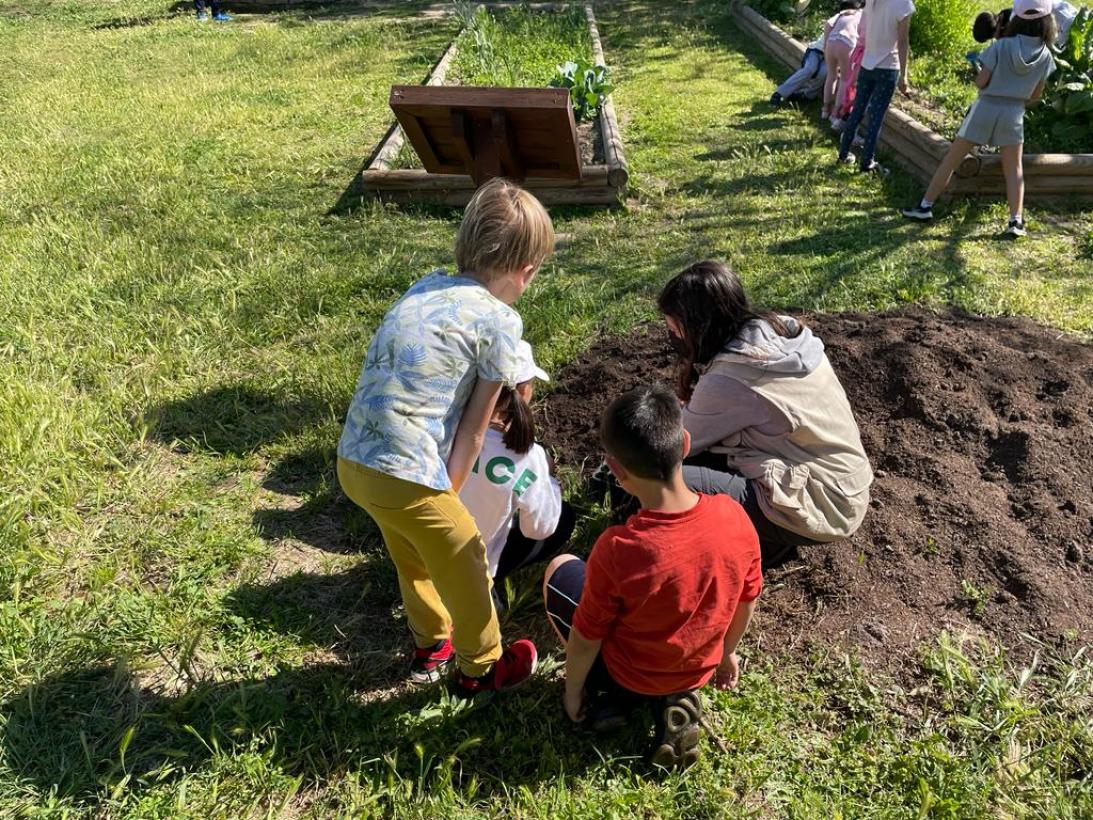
{"points": [[760, 347], [1027, 54]]}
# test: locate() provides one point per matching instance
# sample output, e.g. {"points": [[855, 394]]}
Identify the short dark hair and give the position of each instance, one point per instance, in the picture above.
{"points": [[1042, 28], [643, 430], [985, 27]]}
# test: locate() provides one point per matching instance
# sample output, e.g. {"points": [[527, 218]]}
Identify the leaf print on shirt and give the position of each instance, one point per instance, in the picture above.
{"points": [[380, 401], [371, 430], [442, 313], [412, 355], [419, 373]]}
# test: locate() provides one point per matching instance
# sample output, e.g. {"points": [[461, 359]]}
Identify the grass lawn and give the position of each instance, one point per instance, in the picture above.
{"points": [[194, 622]]}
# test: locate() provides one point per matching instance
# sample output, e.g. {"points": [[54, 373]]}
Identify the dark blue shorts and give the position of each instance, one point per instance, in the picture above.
{"points": [[563, 593]]}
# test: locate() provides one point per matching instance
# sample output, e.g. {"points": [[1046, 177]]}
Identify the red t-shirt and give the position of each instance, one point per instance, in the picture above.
{"points": [[661, 589]]}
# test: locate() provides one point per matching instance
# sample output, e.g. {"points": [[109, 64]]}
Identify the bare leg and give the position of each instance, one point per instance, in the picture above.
{"points": [[951, 161], [837, 57], [829, 81], [843, 58], [1013, 168]]}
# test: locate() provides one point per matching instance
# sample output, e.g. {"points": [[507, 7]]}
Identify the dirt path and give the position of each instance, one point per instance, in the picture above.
{"points": [[980, 432]]}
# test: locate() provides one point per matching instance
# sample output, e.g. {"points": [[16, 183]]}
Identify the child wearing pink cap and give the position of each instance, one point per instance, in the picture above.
{"points": [[1014, 70]]}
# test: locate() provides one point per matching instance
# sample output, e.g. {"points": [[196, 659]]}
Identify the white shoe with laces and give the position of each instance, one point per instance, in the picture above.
{"points": [[1016, 228]]}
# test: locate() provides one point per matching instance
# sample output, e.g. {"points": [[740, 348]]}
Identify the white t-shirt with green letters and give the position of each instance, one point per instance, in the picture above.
{"points": [[505, 487]]}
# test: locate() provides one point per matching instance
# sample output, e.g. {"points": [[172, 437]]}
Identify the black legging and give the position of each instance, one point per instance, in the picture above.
{"points": [[213, 4], [520, 551], [709, 473]]}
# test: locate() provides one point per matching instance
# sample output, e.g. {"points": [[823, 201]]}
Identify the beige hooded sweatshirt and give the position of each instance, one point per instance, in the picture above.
{"points": [[814, 478]]}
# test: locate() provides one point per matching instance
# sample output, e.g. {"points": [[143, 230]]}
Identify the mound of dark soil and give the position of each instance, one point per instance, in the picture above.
{"points": [[981, 434]]}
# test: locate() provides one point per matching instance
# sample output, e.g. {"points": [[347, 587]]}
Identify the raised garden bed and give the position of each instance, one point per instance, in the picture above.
{"points": [[390, 174], [919, 149]]}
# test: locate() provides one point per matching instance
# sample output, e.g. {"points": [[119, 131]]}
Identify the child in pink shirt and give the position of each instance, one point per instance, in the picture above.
{"points": [[840, 37]]}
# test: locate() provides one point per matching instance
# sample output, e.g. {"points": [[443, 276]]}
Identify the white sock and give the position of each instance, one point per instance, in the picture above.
{"points": [[1017, 217], [926, 203]]}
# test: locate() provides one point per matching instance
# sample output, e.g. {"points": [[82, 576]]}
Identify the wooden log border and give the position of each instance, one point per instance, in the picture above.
{"points": [[604, 184], [919, 149]]}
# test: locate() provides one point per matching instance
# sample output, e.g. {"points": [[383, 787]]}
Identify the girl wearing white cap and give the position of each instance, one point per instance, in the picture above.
{"points": [[1014, 70], [510, 493]]}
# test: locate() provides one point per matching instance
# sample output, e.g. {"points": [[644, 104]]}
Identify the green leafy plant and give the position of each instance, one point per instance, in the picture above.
{"points": [[587, 84], [1068, 112], [943, 26]]}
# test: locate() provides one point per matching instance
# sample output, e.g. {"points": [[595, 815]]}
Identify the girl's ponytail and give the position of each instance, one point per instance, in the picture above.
{"points": [[519, 435]]}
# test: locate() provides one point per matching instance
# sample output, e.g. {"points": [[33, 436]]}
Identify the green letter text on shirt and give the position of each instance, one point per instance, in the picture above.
{"points": [[494, 464]]}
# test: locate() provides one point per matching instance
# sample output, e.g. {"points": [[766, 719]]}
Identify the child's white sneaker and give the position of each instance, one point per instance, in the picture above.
{"points": [[838, 124], [1016, 228]]}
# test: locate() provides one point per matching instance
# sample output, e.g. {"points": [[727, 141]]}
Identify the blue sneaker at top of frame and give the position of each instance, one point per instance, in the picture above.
{"points": [[202, 17], [222, 17]]}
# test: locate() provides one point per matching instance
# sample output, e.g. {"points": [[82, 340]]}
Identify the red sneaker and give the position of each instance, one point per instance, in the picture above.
{"points": [[430, 662], [516, 665]]}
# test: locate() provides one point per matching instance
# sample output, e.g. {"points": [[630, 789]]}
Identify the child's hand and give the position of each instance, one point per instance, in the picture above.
{"points": [[576, 705], [728, 673]]}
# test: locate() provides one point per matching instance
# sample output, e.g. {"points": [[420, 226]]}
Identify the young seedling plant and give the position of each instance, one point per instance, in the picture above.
{"points": [[587, 84]]}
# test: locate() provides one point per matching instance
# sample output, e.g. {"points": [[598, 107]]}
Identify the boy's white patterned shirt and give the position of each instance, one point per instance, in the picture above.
{"points": [[419, 372]]}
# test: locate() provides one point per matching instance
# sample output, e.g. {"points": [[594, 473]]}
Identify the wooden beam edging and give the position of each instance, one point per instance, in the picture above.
{"points": [[618, 173], [418, 179], [412, 184], [920, 149]]}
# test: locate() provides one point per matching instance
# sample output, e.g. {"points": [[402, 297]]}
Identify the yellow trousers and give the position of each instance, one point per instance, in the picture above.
{"points": [[441, 561]]}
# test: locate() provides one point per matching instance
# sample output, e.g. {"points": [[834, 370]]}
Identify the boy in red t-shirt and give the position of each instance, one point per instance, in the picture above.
{"points": [[664, 599]]}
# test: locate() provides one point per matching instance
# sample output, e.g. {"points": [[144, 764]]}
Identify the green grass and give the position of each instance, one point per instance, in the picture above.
{"points": [[519, 47], [194, 622], [514, 47]]}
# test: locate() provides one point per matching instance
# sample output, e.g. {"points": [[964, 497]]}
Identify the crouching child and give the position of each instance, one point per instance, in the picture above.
{"points": [[663, 600]]}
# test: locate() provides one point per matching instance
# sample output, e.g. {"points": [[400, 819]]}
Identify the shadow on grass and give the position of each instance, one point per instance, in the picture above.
{"points": [[135, 22], [305, 11], [82, 734], [351, 614], [316, 512], [236, 419]]}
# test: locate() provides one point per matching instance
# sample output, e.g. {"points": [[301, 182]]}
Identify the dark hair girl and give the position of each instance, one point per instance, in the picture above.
{"points": [[769, 422], [511, 494], [708, 303], [1042, 28], [516, 420]]}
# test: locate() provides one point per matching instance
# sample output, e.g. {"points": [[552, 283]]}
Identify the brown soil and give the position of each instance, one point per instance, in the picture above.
{"points": [[590, 142], [980, 432]]}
